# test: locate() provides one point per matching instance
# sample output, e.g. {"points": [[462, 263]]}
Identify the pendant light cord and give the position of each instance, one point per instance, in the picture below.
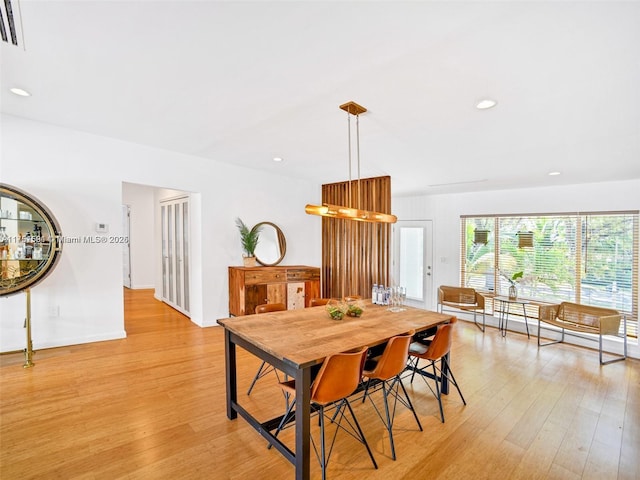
{"points": [[358, 155], [349, 138], [359, 199]]}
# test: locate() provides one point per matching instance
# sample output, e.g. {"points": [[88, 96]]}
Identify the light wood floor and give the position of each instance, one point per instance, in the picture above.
{"points": [[152, 406]]}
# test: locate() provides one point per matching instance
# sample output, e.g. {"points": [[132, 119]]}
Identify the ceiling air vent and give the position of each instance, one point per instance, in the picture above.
{"points": [[10, 24]]}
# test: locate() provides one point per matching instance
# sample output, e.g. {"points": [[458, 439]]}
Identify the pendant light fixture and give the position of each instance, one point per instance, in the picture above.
{"points": [[351, 212]]}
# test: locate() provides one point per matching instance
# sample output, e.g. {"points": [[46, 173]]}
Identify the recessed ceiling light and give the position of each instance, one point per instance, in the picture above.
{"points": [[19, 91], [486, 103], [554, 173], [277, 159]]}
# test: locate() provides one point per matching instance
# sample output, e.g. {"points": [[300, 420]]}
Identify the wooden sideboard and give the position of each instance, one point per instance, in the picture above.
{"points": [[294, 286]]}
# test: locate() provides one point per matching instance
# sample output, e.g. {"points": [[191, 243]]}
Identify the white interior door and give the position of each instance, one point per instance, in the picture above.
{"points": [[174, 215], [126, 246], [413, 260]]}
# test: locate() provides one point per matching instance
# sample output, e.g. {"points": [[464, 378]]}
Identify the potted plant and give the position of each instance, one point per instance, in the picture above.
{"points": [[249, 239], [513, 284]]}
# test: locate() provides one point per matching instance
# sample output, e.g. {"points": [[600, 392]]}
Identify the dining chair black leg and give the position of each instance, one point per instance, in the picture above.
{"points": [[366, 390], [361, 433], [353, 429], [453, 380], [323, 453], [285, 418], [438, 393], [409, 404], [413, 361], [337, 412], [262, 371], [391, 388], [389, 422], [256, 377]]}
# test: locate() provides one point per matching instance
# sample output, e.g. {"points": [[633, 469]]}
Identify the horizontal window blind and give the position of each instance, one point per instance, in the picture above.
{"points": [[589, 258]]}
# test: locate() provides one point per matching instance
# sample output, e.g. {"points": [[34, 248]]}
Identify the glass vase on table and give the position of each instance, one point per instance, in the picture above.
{"points": [[403, 297], [395, 299]]}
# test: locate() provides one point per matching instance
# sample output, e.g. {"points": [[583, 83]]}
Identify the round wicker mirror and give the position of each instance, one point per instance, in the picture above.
{"points": [[272, 245]]}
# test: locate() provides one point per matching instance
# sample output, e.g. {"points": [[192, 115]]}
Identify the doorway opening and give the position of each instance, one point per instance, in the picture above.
{"points": [[159, 254]]}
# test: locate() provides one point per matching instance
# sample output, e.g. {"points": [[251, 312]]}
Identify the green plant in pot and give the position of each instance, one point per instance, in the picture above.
{"points": [[249, 238], [513, 283]]}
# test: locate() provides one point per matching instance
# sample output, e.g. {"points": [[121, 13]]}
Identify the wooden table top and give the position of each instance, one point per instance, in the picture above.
{"points": [[307, 336]]}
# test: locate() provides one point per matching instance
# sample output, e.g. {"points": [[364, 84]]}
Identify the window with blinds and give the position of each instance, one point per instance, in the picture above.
{"points": [[589, 258]]}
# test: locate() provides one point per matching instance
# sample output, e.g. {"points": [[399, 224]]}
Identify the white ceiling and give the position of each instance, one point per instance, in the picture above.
{"points": [[242, 82]]}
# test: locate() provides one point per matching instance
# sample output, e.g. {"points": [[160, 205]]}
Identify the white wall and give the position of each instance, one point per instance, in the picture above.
{"points": [[80, 178], [445, 212]]}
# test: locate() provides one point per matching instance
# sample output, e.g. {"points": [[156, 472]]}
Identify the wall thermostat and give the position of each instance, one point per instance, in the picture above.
{"points": [[102, 227]]}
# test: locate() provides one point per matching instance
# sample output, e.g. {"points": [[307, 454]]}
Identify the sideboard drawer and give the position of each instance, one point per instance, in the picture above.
{"points": [[303, 274], [254, 277]]}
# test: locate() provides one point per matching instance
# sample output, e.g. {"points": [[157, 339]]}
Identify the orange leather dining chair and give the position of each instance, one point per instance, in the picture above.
{"points": [[265, 368], [338, 377], [316, 302], [438, 349], [386, 369]]}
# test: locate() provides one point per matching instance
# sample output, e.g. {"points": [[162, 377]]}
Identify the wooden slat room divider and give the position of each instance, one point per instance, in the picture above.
{"points": [[355, 255]]}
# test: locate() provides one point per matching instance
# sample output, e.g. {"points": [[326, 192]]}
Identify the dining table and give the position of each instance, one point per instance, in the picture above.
{"points": [[294, 341]]}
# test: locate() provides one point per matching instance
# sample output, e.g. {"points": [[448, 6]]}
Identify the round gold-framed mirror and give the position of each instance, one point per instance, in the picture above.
{"points": [[30, 245], [272, 245]]}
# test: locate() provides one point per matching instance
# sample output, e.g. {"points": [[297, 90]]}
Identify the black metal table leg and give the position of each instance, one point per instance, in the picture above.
{"points": [[303, 423], [231, 375]]}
